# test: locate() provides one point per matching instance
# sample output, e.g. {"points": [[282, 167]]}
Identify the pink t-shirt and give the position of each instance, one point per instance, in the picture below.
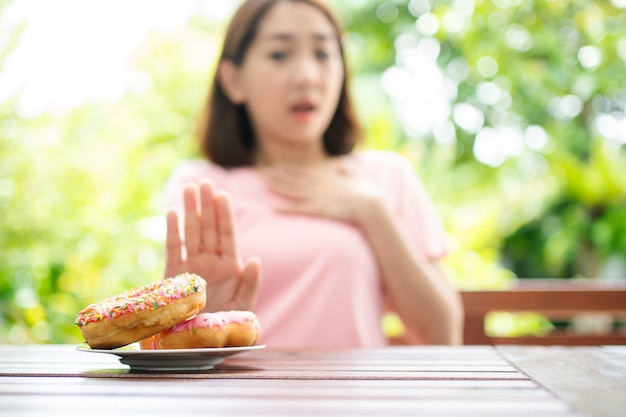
{"points": [[321, 286]]}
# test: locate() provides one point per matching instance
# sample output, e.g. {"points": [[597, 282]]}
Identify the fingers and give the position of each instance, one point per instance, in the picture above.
{"points": [[300, 207], [200, 222], [208, 222], [193, 237], [249, 286], [173, 247], [226, 226]]}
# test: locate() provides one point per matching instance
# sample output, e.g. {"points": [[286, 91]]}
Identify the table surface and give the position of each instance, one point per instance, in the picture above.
{"points": [[59, 380]]}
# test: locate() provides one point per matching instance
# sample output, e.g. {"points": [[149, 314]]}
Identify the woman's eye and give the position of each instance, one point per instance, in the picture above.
{"points": [[322, 55], [279, 55]]}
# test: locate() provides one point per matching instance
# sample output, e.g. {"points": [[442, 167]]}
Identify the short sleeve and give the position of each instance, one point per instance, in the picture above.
{"points": [[408, 199], [417, 212]]}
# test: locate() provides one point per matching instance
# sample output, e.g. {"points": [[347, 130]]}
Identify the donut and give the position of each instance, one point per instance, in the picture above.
{"points": [[208, 330], [141, 312], [243, 328]]}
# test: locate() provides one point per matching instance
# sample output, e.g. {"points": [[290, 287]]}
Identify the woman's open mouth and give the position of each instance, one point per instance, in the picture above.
{"points": [[303, 110]]}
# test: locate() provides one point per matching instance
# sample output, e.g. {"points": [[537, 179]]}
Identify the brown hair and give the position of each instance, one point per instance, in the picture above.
{"points": [[224, 129]]}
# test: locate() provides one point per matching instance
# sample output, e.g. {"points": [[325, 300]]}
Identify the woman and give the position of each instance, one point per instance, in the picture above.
{"points": [[338, 236]]}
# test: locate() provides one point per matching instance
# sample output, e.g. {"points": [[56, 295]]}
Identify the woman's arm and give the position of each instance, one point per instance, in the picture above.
{"points": [[417, 286], [419, 290]]}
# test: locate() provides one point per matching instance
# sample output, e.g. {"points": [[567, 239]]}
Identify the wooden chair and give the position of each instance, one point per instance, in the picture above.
{"points": [[555, 299]]}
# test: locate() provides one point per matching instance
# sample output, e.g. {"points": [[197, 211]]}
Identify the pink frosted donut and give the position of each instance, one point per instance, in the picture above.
{"points": [[243, 328], [208, 330]]}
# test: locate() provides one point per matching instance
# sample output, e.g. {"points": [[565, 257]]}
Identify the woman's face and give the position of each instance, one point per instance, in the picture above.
{"points": [[292, 76]]}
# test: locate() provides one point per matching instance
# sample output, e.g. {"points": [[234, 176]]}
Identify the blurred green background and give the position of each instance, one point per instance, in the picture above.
{"points": [[513, 112]]}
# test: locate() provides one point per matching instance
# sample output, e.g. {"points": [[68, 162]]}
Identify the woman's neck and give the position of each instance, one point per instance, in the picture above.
{"points": [[293, 155]]}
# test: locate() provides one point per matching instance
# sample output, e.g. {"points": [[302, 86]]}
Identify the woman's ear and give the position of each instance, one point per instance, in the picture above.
{"points": [[228, 77]]}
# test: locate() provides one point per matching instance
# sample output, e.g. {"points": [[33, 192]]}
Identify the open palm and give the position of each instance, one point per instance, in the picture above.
{"points": [[209, 249]]}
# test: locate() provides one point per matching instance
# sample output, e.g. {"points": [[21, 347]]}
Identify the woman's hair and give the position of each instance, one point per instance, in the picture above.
{"points": [[226, 134]]}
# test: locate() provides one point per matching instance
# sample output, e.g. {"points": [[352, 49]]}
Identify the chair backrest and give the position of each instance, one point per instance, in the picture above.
{"points": [[559, 299]]}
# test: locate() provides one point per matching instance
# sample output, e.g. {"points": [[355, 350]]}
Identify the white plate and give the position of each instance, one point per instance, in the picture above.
{"points": [[173, 359]]}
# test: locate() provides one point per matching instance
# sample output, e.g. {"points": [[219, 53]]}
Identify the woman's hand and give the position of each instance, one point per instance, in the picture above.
{"points": [[425, 300], [331, 192], [210, 250]]}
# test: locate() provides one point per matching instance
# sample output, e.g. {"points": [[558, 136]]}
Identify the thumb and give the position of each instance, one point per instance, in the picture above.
{"points": [[249, 285]]}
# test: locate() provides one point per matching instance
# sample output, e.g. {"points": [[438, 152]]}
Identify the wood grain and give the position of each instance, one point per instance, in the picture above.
{"points": [[592, 380], [555, 299], [395, 381]]}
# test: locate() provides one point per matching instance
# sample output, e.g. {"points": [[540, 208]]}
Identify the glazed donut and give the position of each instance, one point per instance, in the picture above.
{"points": [[141, 312], [208, 330]]}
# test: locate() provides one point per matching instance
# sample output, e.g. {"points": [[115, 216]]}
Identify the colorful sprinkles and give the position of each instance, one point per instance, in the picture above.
{"points": [[148, 297]]}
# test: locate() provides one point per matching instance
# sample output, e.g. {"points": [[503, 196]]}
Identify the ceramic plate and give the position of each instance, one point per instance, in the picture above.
{"points": [[172, 359]]}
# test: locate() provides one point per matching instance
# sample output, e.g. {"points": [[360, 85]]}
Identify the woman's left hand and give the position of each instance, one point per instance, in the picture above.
{"points": [[331, 192], [416, 284]]}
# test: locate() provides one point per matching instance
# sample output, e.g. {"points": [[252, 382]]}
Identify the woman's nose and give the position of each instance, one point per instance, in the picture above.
{"points": [[306, 71]]}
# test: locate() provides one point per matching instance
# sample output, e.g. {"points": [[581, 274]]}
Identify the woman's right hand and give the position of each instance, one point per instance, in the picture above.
{"points": [[209, 250]]}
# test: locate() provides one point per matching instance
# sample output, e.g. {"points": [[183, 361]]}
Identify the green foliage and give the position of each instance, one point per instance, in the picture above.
{"points": [[81, 217], [584, 225], [553, 204]]}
